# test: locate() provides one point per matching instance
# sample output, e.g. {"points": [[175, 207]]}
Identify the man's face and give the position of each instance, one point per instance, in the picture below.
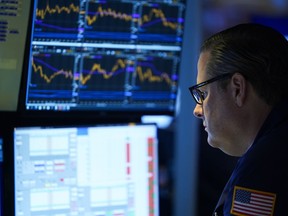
{"points": [[216, 112]]}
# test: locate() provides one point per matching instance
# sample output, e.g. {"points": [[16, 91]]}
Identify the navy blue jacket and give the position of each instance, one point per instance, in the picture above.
{"points": [[259, 182]]}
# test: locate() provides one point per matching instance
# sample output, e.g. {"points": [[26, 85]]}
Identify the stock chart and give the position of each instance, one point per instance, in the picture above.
{"points": [[105, 54]]}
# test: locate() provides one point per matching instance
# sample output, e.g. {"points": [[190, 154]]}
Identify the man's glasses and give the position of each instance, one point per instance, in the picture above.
{"points": [[199, 95]]}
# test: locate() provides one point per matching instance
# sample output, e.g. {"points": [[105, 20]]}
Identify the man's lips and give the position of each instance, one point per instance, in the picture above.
{"points": [[205, 126]]}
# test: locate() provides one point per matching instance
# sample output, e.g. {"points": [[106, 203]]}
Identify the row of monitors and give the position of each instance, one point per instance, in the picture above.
{"points": [[98, 56], [103, 169]]}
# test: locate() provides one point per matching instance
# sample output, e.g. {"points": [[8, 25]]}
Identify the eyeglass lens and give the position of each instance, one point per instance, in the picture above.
{"points": [[197, 95]]}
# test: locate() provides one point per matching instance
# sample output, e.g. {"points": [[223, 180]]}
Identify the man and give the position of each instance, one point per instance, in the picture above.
{"points": [[242, 99]]}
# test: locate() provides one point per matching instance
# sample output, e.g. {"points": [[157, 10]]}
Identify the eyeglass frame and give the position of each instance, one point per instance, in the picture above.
{"points": [[199, 85]]}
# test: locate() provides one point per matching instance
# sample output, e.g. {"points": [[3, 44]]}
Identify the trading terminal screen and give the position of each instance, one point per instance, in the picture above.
{"points": [[105, 55], [94, 170]]}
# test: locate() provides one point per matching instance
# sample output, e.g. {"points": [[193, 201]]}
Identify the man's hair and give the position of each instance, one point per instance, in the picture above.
{"points": [[258, 52]]}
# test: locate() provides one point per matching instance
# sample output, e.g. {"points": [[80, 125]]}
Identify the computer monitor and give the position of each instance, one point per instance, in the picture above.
{"points": [[15, 25], [86, 170], [105, 56]]}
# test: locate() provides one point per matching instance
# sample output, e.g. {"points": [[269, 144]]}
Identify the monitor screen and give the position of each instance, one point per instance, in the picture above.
{"points": [[105, 55], [86, 170], [14, 25]]}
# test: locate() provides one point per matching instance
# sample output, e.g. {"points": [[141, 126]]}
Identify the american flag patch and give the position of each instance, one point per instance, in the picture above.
{"points": [[248, 202]]}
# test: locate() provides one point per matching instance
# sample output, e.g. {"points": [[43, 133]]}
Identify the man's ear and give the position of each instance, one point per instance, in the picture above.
{"points": [[238, 89]]}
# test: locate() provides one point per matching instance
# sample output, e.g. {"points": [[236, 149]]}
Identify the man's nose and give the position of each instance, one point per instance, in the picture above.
{"points": [[198, 111]]}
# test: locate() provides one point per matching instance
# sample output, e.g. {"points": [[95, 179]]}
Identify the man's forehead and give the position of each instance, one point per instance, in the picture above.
{"points": [[201, 66]]}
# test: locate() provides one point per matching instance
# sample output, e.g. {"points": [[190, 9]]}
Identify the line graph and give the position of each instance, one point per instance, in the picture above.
{"points": [[154, 74], [103, 73], [42, 13], [51, 78], [113, 17], [160, 22], [103, 52], [118, 67], [117, 20], [57, 17], [52, 71], [159, 19], [148, 76], [101, 76]]}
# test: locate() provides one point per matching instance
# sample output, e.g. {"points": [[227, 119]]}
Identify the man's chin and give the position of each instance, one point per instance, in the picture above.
{"points": [[212, 143]]}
